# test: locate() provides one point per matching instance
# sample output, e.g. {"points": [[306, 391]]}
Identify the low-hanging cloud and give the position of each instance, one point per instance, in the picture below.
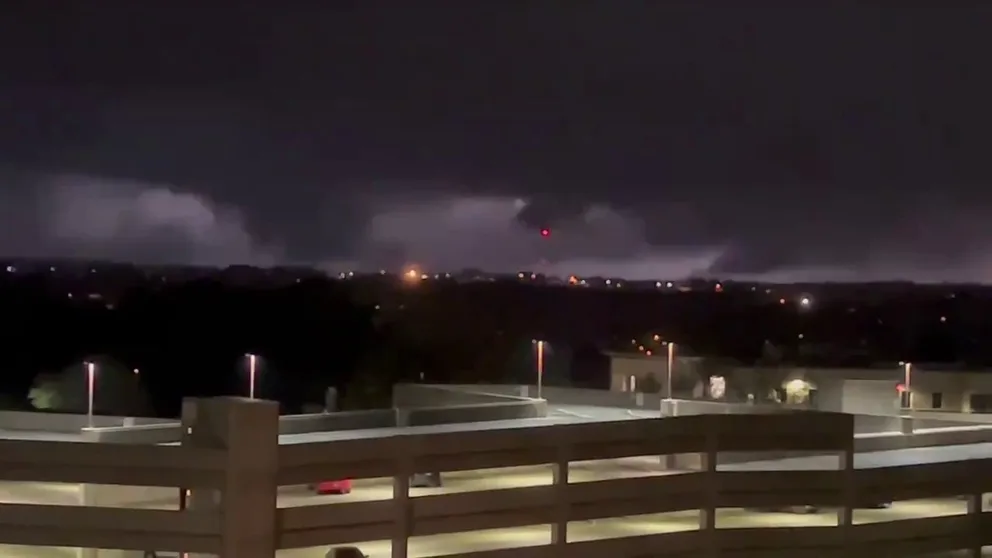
{"points": [[487, 233], [81, 216], [88, 217], [934, 243]]}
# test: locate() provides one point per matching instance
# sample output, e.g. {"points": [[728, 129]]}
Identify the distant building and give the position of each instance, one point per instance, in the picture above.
{"points": [[882, 389]]}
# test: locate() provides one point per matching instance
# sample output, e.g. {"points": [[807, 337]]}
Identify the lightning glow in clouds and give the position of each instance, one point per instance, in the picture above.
{"points": [[485, 233], [131, 221]]}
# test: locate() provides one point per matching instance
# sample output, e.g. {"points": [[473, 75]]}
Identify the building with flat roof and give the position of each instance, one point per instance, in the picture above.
{"points": [[879, 389]]}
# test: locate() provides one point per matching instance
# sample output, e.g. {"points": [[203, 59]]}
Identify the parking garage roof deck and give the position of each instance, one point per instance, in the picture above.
{"points": [[578, 414], [559, 414]]}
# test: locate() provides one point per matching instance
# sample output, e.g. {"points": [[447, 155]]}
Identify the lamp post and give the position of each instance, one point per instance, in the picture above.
{"points": [[540, 368], [907, 379], [252, 367], [90, 391], [671, 367]]}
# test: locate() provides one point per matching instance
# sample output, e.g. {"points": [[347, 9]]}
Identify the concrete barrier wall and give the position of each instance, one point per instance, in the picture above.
{"points": [[326, 422], [874, 424], [938, 420], [411, 396], [60, 422], [116, 496], [570, 396], [509, 390], [952, 436], [958, 417], [510, 410], [294, 424], [143, 434], [618, 399], [929, 424], [596, 397]]}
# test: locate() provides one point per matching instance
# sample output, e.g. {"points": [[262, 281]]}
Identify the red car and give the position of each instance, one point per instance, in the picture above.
{"points": [[334, 487]]}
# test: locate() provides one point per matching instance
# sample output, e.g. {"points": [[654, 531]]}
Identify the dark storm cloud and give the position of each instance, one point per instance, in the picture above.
{"points": [[771, 140], [86, 217]]}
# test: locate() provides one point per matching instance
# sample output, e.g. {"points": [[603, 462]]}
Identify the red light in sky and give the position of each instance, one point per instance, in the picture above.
{"points": [[545, 232]]}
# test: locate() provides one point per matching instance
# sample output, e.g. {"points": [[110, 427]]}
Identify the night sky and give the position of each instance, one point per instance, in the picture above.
{"points": [[655, 139]]}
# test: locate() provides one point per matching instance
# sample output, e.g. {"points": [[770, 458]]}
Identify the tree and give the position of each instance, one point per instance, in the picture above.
{"points": [[687, 376], [769, 375], [44, 395], [117, 390], [649, 384]]}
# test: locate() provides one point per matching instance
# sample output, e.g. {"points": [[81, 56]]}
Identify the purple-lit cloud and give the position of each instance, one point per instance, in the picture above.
{"points": [[90, 217], [486, 233]]}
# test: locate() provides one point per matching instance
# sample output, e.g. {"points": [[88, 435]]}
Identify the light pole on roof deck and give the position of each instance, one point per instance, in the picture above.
{"points": [[252, 368], [540, 366], [907, 384], [669, 372], [90, 391]]}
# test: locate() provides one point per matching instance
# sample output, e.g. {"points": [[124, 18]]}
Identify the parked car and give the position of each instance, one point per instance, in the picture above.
{"points": [[345, 552], [334, 487], [425, 480]]}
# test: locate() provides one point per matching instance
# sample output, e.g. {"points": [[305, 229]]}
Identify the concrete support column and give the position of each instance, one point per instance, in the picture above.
{"points": [[248, 431], [711, 492], [975, 512], [669, 409], [906, 425], [403, 523], [559, 472], [849, 491]]}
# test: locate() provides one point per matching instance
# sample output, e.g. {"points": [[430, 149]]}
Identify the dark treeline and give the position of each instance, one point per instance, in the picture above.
{"points": [[361, 336], [192, 339]]}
